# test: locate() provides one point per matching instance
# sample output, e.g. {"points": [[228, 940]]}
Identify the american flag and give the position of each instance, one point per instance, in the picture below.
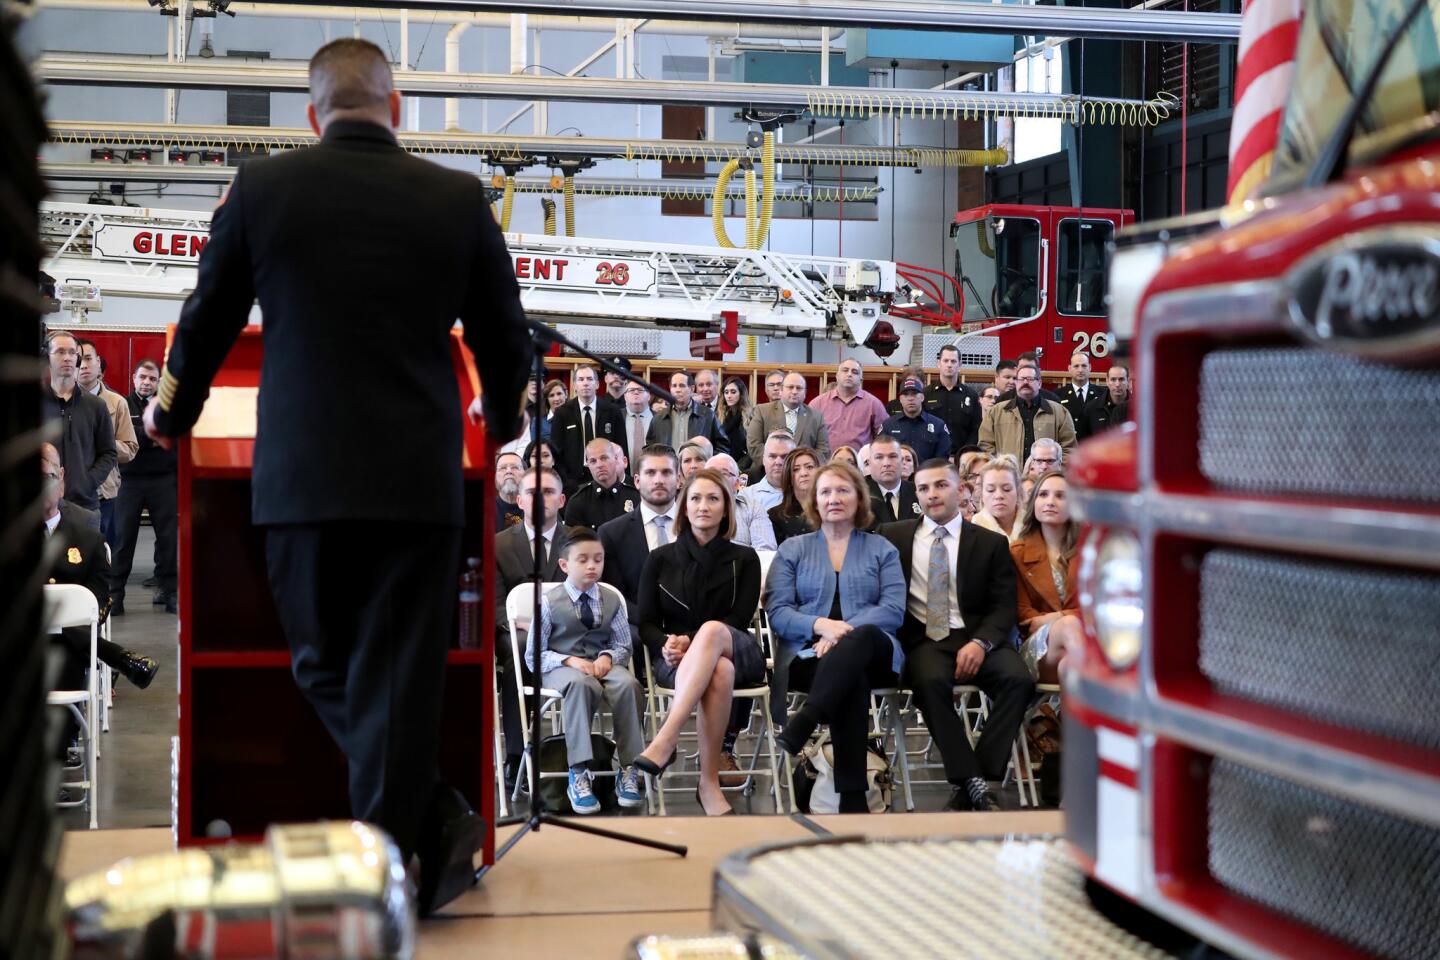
{"points": [[1268, 30]]}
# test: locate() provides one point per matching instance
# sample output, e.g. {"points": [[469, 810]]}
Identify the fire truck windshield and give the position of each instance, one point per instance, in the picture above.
{"points": [[1339, 41], [997, 263]]}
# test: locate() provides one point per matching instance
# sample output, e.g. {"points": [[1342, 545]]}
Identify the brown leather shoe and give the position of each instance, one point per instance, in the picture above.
{"points": [[729, 771]]}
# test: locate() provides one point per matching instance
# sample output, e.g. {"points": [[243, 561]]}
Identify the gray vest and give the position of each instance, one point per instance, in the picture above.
{"points": [[571, 638]]}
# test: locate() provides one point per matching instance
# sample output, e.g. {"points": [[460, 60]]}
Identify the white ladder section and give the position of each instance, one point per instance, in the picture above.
{"points": [[98, 250]]}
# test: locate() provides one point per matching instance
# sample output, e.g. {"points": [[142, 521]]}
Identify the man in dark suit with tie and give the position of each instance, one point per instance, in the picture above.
{"points": [[584, 417], [514, 565], [1079, 393], [629, 538], [959, 621], [892, 497], [363, 550]]}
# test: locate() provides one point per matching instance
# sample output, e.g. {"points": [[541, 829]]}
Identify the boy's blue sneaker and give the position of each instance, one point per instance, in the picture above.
{"points": [[627, 788], [581, 794]]}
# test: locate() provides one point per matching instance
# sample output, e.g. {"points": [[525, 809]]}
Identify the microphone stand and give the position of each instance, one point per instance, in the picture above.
{"points": [[543, 337]]}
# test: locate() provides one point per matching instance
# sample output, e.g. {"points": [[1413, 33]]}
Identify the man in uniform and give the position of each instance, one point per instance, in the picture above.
{"points": [[607, 496], [1079, 393], [892, 497], [923, 432], [363, 550], [952, 401], [1112, 407], [584, 417], [148, 483]]}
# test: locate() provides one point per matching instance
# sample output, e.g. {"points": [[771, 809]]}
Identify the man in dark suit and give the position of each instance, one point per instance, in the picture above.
{"points": [[1110, 409], [892, 497], [363, 550], [75, 552], [959, 620], [629, 538], [1079, 393], [584, 417]]}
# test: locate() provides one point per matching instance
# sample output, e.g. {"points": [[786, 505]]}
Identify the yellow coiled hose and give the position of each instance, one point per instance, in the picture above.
{"points": [[717, 203], [767, 195], [507, 204], [569, 206], [548, 205]]}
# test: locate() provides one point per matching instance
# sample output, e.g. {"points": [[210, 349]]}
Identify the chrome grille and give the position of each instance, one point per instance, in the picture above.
{"points": [[1312, 422], [1357, 874], [1353, 646]]}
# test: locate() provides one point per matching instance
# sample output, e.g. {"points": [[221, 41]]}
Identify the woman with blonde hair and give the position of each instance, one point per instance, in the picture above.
{"points": [[1046, 556], [1000, 497]]}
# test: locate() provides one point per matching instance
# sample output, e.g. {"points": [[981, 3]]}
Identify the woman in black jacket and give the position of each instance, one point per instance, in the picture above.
{"points": [[733, 412], [698, 596], [788, 516]]}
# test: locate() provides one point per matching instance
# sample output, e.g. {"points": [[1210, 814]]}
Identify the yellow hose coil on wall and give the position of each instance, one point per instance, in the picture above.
{"points": [[767, 196], [548, 206], [569, 206], [507, 204], [717, 203]]}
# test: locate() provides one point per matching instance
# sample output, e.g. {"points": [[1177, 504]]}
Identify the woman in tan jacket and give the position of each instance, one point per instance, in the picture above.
{"points": [[1046, 558]]}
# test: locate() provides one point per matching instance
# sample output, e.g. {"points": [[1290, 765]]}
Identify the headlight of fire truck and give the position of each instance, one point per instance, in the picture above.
{"points": [[1117, 609]]}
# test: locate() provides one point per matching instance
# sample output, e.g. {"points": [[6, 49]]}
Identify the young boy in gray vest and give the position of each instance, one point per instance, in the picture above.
{"points": [[584, 653]]}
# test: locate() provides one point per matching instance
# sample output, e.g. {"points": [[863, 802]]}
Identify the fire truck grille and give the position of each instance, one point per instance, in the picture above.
{"points": [[1347, 645], [1362, 876], [1297, 421]]}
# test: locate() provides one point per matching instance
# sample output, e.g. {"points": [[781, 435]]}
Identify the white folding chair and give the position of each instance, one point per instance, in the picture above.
{"points": [[107, 688], [517, 603], [71, 605], [498, 746]]}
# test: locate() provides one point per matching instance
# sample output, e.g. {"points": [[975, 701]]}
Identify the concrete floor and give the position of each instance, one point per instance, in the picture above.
{"points": [[135, 760]]}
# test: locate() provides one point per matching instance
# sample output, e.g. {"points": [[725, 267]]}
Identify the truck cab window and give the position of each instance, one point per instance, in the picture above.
{"points": [[997, 263], [1080, 267]]}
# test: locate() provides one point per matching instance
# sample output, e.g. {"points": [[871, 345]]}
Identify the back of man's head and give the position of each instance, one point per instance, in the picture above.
{"points": [[350, 79]]}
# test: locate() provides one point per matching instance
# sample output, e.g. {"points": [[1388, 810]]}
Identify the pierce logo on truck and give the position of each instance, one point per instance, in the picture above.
{"points": [[1375, 293]]}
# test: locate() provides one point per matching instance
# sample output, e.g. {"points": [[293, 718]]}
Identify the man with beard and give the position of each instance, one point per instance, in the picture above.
{"points": [[629, 538], [1012, 426], [508, 467], [148, 483], [607, 496]]}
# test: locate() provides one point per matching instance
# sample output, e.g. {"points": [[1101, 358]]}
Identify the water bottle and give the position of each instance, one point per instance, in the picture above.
{"points": [[470, 605]]}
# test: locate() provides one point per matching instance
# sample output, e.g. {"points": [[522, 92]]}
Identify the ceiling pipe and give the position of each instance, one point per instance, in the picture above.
{"points": [[1096, 23], [364, 14], [452, 66], [820, 101]]}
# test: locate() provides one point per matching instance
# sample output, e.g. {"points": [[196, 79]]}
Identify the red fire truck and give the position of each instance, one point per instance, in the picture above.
{"points": [[1252, 747], [1035, 277]]}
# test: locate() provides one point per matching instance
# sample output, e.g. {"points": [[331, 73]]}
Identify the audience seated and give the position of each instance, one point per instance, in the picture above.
{"points": [[1046, 558], [508, 467], [790, 516], [1045, 455], [765, 491], [908, 461], [845, 454], [789, 413], [629, 538], [891, 496], [752, 524], [584, 417], [970, 464], [694, 454], [698, 596], [687, 420], [585, 654], [1000, 498], [835, 598], [959, 618], [915, 427], [607, 495], [514, 565], [852, 414], [863, 457]]}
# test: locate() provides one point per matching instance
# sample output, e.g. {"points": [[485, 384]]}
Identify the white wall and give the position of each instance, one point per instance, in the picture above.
{"points": [[919, 207]]}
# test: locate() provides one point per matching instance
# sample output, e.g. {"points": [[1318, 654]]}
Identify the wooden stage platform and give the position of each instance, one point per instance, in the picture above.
{"points": [[564, 894]]}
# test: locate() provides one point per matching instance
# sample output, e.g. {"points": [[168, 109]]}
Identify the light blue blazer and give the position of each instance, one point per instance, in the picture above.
{"points": [[800, 589]]}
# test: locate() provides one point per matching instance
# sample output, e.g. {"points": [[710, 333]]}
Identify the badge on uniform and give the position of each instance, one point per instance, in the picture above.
{"points": [[73, 555], [629, 505], [512, 520], [915, 509], [607, 428], [930, 427]]}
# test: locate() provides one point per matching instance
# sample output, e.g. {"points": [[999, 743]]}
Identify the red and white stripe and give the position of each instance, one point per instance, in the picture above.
{"points": [[1268, 32]]}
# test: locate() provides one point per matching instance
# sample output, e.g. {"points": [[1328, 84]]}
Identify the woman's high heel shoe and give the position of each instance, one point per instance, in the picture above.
{"points": [[645, 765], [728, 810]]}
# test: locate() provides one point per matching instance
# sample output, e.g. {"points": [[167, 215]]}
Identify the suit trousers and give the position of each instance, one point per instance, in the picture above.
{"points": [[76, 643], [582, 695], [158, 494], [368, 609], [839, 685], [930, 674]]}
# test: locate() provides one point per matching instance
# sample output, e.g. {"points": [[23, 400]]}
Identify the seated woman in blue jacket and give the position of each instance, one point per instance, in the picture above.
{"points": [[835, 598]]}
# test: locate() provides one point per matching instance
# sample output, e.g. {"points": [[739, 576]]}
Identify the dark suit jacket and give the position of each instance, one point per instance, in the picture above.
{"points": [[362, 257], [514, 565], [76, 554], [567, 436], [1070, 400], [625, 551], [909, 506], [1101, 415], [984, 578]]}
